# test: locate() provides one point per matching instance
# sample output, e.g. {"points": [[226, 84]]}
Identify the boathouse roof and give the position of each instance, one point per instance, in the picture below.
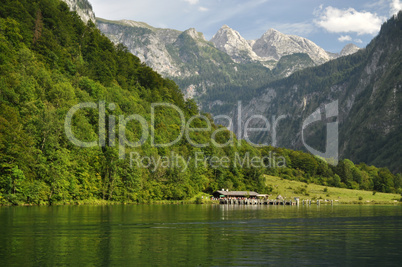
{"points": [[236, 193]]}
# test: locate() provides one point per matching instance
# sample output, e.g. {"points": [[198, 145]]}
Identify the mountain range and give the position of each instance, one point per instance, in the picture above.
{"points": [[152, 45], [281, 74], [227, 63]]}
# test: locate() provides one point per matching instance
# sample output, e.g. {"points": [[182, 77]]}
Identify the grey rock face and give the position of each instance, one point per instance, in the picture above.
{"points": [[83, 9], [146, 42]]}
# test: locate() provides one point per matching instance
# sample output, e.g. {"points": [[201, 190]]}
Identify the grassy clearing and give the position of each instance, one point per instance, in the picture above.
{"points": [[290, 189]]}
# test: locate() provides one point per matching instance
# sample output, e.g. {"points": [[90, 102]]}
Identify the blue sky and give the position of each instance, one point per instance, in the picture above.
{"points": [[331, 24]]}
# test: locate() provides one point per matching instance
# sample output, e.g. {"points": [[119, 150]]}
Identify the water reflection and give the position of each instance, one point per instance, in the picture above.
{"points": [[200, 235]]}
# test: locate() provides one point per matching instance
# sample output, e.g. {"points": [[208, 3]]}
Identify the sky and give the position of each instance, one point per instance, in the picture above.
{"points": [[331, 24]]}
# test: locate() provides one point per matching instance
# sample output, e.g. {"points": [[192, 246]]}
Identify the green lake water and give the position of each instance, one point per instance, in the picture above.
{"points": [[201, 235]]}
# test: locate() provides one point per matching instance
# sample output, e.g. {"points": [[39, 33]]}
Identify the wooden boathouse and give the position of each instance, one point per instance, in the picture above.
{"points": [[235, 194], [250, 198]]}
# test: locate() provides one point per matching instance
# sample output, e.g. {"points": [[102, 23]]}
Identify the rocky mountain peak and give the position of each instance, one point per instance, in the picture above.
{"points": [[272, 35], [226, 35], [349, 49], [232, 43], [271, 31], [194, 34]]}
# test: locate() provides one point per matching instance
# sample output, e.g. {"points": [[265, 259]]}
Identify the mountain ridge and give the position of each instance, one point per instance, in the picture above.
{"points": [[232, 65]]}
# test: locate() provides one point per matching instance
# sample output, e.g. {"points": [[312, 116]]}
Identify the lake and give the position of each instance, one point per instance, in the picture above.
{"points": [[200, 235]]}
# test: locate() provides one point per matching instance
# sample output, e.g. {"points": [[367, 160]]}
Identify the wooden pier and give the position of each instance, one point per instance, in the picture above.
{"points": [[275, 202], [227, 197]]}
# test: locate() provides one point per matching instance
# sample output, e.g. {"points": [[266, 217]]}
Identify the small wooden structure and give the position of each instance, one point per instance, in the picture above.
{"points": [[253, 198], [255, 201], [235, 194]]}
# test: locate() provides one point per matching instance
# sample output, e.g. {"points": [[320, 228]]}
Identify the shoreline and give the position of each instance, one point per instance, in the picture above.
{"points": [[192, 202]]}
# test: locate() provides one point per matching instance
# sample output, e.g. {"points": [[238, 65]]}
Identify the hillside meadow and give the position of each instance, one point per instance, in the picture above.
{"points": [[290, 189]]}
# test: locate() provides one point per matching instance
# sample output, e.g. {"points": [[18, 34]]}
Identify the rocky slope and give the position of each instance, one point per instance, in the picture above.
{"points": [[83, 9], [144, 41], [368, 88]]}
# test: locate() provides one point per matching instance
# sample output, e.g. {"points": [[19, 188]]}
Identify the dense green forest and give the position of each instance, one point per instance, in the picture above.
{"points": [[51, 61]]}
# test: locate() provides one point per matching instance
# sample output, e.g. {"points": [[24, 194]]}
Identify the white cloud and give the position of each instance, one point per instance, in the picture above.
{"points": [[349, 20], [359, 41], [203, 9], [396, 5], [344, 38], [192, 2]]}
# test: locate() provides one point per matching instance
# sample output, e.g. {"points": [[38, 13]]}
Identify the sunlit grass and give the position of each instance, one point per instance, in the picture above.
{"points": [[290, 189]]}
